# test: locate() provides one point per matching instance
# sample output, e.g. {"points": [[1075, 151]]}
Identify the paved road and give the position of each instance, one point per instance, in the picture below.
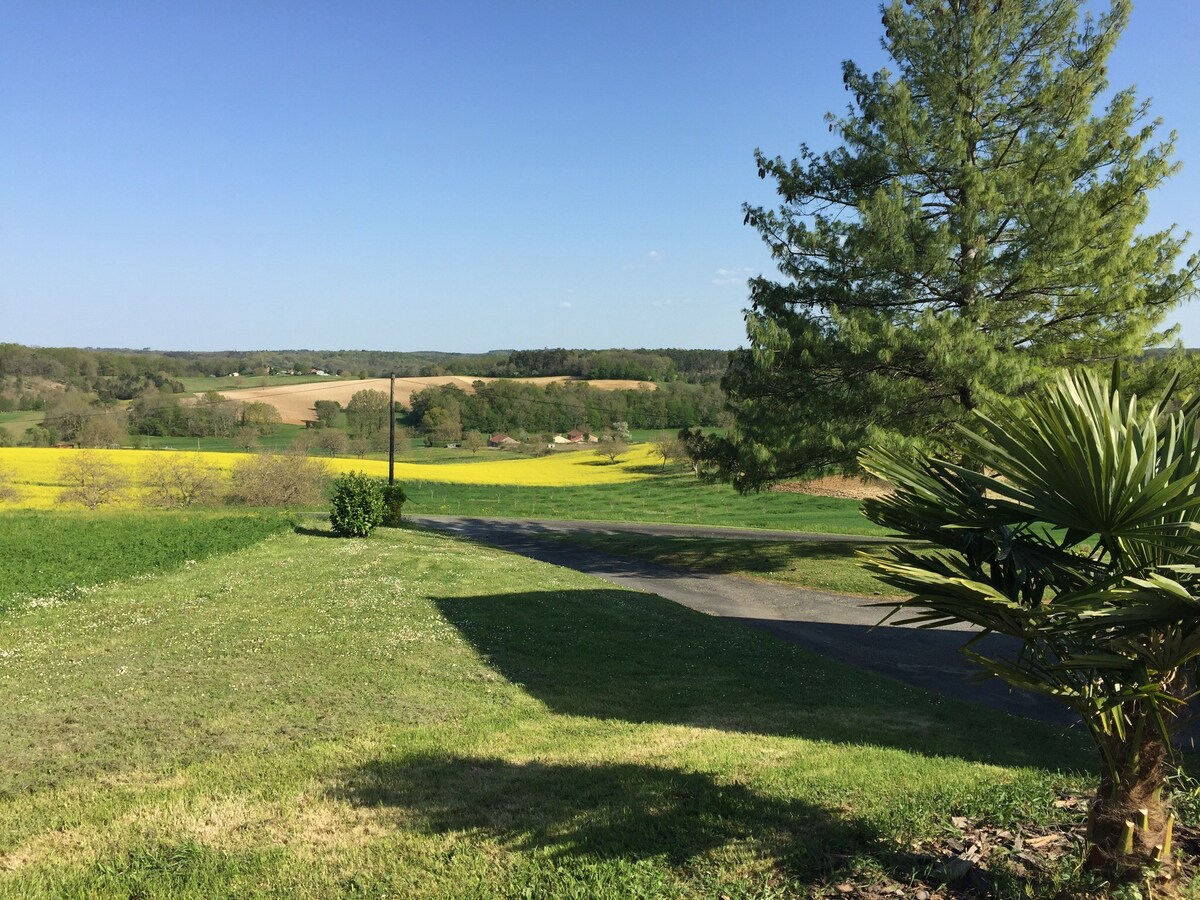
{"points": [[835, 625]]}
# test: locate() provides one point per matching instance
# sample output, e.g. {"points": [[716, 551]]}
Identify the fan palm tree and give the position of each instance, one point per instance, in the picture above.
{"points": [[1070, 520]]}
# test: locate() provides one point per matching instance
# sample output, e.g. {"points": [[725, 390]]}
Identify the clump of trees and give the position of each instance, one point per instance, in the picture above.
{"points": [[260, 418], [327, 412], [367, 415], [182, 481], [444, 413], [158, 412]]}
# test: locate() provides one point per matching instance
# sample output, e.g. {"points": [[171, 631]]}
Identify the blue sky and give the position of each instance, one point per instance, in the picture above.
{"points": [[455, 176]]}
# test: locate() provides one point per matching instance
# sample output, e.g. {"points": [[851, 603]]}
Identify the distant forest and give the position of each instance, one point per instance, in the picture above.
{"points": [[96, 397], [104, 371], [446, 412]]}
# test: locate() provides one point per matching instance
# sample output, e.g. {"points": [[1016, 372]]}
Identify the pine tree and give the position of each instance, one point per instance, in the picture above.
{"points": [[977, 228]]}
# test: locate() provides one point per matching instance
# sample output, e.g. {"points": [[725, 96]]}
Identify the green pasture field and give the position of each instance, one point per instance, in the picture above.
{"points": [[59, 555], [823, 565], [18, 420], [282, 439], [409, 715], [199, 384], [673, 497], [650, 435]]}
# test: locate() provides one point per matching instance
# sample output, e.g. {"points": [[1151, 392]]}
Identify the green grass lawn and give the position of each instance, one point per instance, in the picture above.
{"points": [[824, 565], [282, 439], [57, 555], [17, 421], [409, 715], [672, 497]]}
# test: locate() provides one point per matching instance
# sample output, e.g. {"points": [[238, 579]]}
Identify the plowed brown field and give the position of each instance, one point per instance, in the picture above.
{"points": [[295, 401]]}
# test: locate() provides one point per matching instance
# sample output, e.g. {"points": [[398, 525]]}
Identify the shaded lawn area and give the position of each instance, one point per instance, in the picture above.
{"points": [[413, 715]]}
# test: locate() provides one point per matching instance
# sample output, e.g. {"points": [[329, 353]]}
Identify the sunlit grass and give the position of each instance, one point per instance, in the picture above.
{"points": [[53, 557], [823, 565], [414, 716]]}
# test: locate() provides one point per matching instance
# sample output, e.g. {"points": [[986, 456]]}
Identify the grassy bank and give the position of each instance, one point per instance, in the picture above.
{"points": [[58, 555], [672, 497], [408, 715]]}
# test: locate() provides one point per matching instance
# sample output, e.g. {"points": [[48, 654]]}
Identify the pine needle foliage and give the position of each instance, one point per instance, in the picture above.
{"points": [[977, 227]]}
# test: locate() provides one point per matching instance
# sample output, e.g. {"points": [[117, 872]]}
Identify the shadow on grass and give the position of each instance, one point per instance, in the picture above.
{"points": [[724, 556], [315, 532], [607, 811], [624, 655], [570, 817], [648, 469]]}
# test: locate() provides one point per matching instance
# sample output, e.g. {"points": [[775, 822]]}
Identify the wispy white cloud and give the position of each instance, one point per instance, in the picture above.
{"points": [[566, 304], [725, 277], [654, 256]]}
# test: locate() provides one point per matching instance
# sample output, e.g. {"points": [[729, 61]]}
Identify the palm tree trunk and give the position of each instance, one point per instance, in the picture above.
{"points": [[1130, 822]]}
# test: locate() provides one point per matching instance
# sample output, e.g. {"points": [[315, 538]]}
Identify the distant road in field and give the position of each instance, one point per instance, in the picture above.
{"points": [[838, 626]]}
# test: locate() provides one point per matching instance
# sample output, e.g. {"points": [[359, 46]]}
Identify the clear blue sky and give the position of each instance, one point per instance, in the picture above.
{"points": [[455, 176]]}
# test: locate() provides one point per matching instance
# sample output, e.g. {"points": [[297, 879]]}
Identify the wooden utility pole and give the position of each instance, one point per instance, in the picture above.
{"points": [[392, 431]]}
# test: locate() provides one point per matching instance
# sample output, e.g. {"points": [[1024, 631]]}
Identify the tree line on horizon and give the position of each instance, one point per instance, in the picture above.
{"points": [[123, 372]]}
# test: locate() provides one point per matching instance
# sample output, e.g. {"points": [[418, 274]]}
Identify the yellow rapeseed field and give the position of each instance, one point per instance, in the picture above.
{"points": [[34, 472]]}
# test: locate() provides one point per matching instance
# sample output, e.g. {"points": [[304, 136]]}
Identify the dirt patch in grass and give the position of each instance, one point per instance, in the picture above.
{"points": [[843, 486]]}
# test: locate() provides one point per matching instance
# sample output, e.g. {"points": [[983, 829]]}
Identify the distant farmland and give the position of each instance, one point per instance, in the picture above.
{"points": [[295, 401]]}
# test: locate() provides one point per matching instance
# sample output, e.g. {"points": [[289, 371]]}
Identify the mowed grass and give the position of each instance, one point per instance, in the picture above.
{"points": [[824, 565], [409, 715], [280, 440], [17, 421], [670, 497], [52, 557]]}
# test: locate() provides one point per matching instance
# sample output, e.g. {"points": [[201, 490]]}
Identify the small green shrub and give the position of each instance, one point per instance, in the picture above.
{"points": [[394, 499], [357, 505]]}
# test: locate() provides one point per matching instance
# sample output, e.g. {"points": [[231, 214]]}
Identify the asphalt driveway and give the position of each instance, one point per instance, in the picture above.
{"points": [[838, 626]]}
